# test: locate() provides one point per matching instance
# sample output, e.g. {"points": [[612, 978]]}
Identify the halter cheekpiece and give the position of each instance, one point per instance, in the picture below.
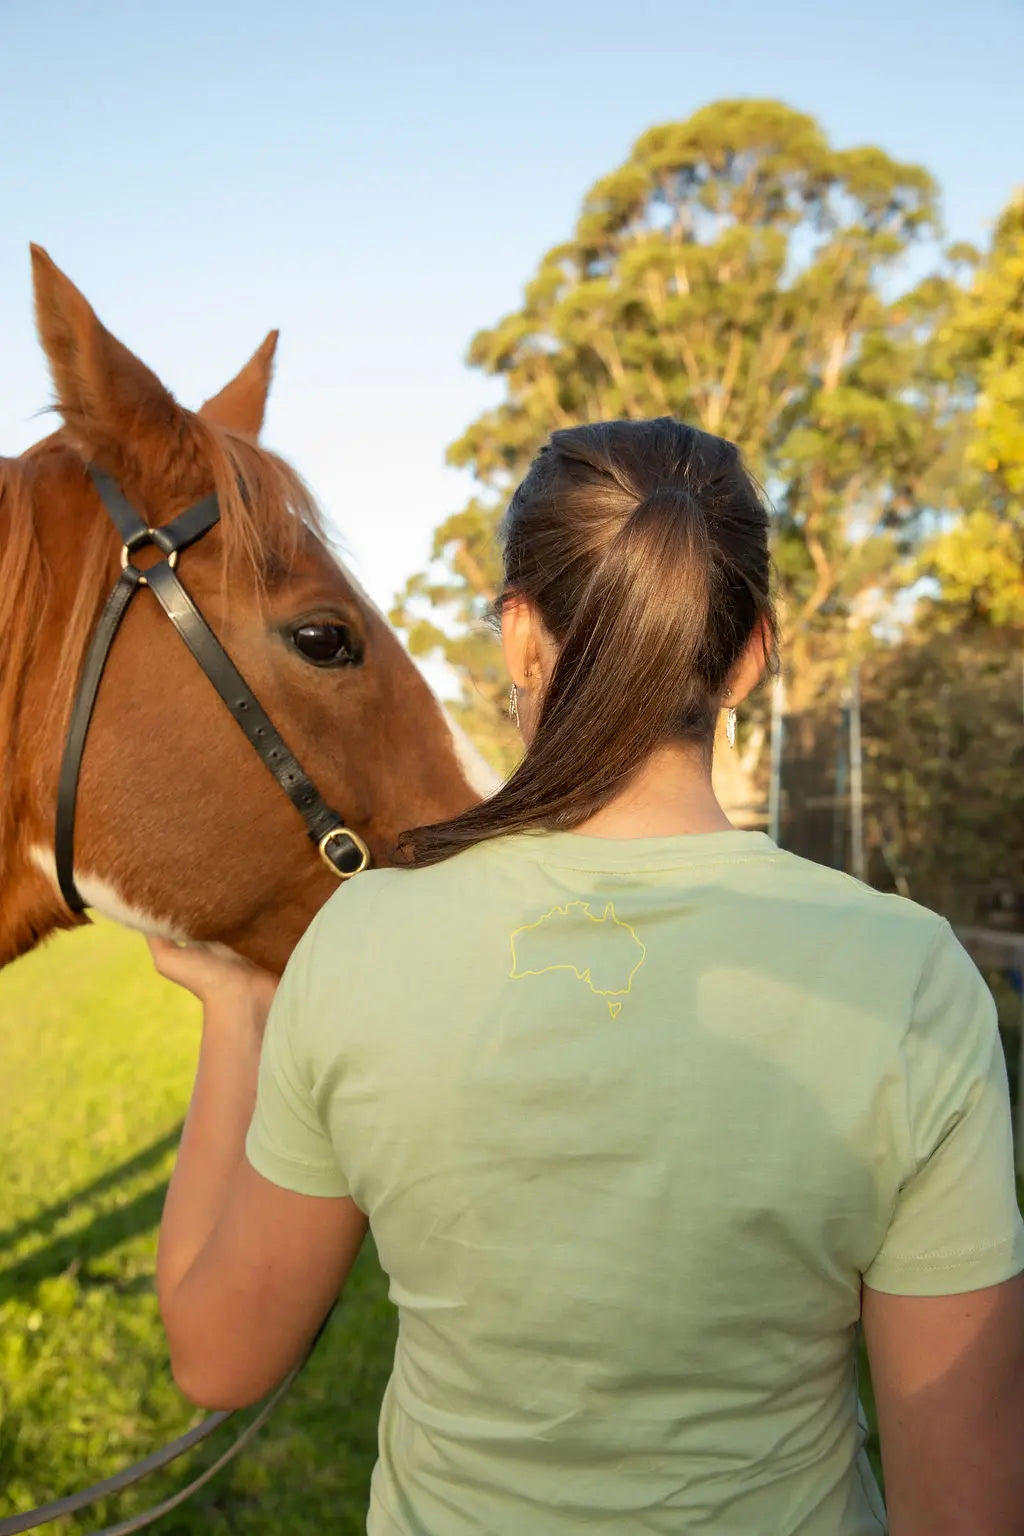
{"points": [[342, 850]]}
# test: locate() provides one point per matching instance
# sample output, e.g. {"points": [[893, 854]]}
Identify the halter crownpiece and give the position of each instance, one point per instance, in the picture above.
{"points": [[342, 850]]}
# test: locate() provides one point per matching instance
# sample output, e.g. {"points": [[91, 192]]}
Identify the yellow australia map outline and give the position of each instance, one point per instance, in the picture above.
{"points": [[613, 995]]}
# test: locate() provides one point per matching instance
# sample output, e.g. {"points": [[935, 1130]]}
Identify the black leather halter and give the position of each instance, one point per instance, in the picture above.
{"points": [[341, 849]]}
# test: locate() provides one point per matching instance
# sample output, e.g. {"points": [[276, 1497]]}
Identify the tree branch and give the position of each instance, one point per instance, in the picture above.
{"points": [[472, 572]]}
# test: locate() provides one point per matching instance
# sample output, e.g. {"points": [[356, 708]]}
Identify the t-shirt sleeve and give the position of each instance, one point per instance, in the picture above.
{"points": [[956, 1225], [287, 1141]]}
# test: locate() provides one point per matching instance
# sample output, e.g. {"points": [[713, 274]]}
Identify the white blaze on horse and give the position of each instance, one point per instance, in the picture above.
{"points": [[180, 829]]}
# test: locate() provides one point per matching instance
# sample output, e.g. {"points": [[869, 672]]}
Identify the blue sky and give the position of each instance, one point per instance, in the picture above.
{"points": [[379, 181]]}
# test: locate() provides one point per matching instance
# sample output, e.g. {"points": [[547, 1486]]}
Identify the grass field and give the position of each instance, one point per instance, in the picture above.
{"points": [[97, 1059]]}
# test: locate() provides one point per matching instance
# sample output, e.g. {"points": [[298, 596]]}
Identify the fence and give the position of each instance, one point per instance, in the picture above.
{"points": [[911, 778]]}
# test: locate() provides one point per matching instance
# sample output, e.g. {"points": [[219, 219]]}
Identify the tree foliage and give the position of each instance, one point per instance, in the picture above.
{"points": [[739, 272], [985, 336], [978, 561]]}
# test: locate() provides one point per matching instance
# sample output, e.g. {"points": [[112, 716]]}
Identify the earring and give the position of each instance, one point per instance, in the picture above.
{"points": [[730, 723], [513, 704]]}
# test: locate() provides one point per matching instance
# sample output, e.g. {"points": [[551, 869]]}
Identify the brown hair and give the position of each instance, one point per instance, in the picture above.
{"points": [[643, 548]]}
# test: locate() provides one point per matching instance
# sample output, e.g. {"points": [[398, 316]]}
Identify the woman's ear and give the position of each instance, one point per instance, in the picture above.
{"points": [[751, 666], [530, 652], [516, 637]]}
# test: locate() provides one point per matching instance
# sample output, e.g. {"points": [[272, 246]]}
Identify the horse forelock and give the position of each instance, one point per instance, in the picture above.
{"points": [[267, 510]]}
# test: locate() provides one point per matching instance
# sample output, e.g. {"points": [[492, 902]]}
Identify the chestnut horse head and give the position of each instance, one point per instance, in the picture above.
{"points": [[180, 829]]}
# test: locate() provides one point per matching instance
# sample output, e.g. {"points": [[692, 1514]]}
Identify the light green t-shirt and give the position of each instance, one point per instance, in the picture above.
{"points": [[631, 1121]]}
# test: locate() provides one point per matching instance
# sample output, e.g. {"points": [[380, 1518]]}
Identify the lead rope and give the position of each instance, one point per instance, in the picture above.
{"points": [[32, 1519]]}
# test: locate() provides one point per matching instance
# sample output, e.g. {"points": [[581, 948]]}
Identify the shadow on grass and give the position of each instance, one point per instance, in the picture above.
{"points": [[106, 1230]]}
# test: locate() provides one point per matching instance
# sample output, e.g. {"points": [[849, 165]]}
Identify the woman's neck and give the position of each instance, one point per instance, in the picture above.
{"points": [[671, 795]]}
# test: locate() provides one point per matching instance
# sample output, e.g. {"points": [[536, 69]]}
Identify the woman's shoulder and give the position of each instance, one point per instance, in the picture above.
{"points": [[392, 892], [833, 888], [879, 932]]}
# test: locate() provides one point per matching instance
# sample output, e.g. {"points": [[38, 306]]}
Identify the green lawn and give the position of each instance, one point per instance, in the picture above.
{"points": [[97, 1058]]}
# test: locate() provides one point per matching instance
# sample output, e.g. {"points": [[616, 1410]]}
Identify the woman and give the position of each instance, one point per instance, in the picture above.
{"points": [[646, 1115]]}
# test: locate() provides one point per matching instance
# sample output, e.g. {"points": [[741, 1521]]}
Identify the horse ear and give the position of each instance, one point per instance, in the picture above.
{"points": [[115, 408], [240, 406]]}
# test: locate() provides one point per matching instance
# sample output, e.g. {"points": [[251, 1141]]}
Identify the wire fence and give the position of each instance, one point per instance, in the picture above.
{"points": [[910, 776]]}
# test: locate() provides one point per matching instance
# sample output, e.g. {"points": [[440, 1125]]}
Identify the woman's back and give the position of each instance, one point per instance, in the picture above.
{"points": [[631, 1120], [646, 1114]]}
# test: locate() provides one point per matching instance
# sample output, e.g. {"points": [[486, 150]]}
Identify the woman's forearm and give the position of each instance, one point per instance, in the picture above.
{"points": [[213, 1139]]}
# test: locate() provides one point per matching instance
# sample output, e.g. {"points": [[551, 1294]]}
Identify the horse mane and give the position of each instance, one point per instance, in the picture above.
{"points": [[266, 514], [24, 587]]}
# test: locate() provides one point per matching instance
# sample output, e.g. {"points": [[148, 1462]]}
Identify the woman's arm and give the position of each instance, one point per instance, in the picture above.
{"points": [[948, 1376], [246, 1270]]}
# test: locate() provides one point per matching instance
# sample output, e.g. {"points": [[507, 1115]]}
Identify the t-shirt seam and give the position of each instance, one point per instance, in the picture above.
{"points": [[946, 935], [944, 1258], [264, 1144], [310, 1086], [375, 1497], [903, 1048], [867, 1492], [825, 874], [653, 869], [942, 933]]}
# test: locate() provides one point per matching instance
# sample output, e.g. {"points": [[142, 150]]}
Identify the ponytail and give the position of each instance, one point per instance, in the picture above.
{"points": [[643, 548]]}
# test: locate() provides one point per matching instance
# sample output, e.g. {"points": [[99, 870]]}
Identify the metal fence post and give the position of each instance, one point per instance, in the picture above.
{"points": [[775, 785], [856, 781], [1020, 1072]]}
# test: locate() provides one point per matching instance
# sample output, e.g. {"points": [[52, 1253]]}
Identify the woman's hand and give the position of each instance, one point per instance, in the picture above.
{"points": [[236, 999], [213, 975]]}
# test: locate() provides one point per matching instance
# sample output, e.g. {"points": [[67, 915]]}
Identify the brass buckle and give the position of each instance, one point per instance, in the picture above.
{"points": [[172, 558], [344, 874]]}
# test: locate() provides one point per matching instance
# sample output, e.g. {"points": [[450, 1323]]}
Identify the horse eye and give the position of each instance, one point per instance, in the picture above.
{"points": [[327, 644]]}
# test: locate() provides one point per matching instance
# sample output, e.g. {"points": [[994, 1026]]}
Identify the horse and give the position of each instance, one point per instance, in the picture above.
{"points": [[180, 831]]}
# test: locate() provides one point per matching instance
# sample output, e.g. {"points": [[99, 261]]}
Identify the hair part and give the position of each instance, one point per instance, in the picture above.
{"points": [[643, 548]]}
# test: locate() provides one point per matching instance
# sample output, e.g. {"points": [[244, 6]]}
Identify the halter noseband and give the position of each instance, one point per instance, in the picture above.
{"points": [[342, 850]]}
